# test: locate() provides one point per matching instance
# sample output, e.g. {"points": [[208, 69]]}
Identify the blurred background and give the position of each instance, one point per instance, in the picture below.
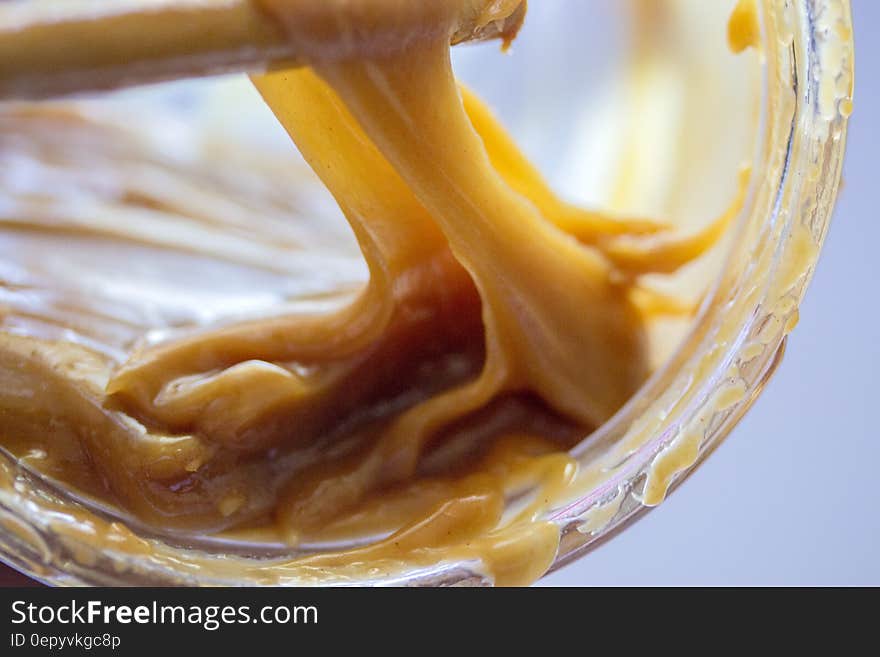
{"points": [[791, 497]]}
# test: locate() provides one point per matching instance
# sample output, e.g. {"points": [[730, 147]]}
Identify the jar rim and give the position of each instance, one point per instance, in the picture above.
{"points": [[808, 46]]}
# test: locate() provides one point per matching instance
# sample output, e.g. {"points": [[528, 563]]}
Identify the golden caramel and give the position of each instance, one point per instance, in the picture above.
{"points": [[499, 326]]}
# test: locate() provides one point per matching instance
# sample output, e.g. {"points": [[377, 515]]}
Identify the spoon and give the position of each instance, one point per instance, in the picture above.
{"points": [[50, 48]]}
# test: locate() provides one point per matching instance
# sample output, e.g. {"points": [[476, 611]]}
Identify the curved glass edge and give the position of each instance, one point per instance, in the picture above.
{"points": [[695, 401]]}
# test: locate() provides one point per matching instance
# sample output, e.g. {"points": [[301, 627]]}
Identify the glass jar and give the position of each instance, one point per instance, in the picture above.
{"points": [[669, 123]]}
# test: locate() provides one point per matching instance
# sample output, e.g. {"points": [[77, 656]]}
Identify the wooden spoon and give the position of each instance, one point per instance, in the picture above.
{"points": [[50, 48]]}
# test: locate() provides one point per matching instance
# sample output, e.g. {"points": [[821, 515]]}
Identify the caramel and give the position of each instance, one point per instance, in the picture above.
{"points": [[499, 325]]}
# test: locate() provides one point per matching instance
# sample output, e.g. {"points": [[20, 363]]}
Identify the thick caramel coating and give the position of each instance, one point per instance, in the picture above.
{"points": [[498, 327]]}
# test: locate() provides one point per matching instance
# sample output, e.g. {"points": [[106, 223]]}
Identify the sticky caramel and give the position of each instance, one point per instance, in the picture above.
{"points": [[500, 324]]}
